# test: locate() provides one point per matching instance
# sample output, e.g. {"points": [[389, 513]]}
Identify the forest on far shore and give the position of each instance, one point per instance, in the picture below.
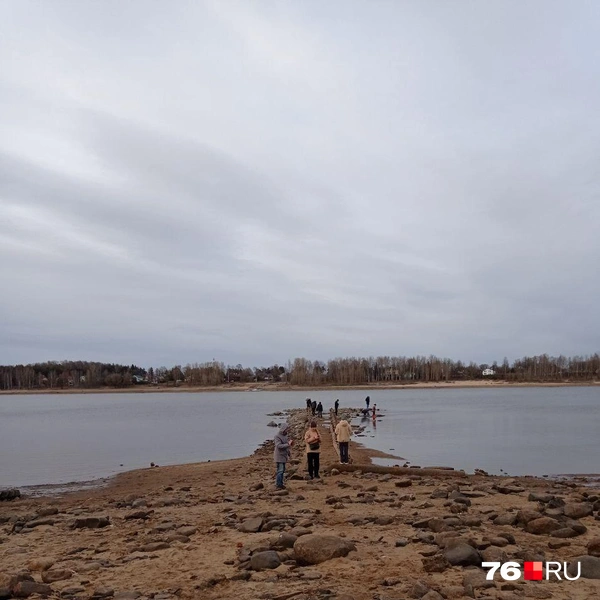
{"points": [[299, 372]]}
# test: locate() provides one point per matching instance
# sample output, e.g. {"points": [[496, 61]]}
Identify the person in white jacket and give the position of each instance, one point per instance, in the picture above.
{"points": [[343, 432]]}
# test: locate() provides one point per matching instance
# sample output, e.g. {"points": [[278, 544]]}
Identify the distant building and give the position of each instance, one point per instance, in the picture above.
{"points": [[487, 372]]}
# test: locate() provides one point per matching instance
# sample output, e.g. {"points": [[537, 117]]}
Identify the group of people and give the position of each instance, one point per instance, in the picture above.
{"points": [[316, 408], [312, 441], [369, 411]]}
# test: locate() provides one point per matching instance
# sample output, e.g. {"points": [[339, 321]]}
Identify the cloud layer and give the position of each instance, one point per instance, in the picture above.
{"points": [[258, 181]]}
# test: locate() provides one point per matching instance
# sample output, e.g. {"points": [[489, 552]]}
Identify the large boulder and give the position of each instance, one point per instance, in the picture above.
{"points": [[590, 567], [543, 525], [315, 549], [10, 494], [265, 560]]}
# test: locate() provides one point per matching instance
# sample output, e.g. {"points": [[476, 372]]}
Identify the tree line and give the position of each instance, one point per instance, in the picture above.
{"points": [[299, 372]]}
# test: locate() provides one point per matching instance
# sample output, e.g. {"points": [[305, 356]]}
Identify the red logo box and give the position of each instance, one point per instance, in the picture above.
{"points": [[533, 571]]}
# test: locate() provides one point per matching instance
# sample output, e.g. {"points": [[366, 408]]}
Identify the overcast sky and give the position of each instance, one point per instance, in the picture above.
{"points": [[255, 181]]}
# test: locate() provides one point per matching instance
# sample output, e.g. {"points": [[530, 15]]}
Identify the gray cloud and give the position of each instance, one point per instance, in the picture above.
{"points": [[254, 182]]}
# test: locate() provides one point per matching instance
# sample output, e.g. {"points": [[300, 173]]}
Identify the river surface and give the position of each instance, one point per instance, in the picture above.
{"points": [[58, 439]]}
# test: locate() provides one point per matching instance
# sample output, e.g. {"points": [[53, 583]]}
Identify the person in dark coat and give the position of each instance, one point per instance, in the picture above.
{"points": [[314, 407], [368, 401], [282, 453], [336, 405], [308, 405], [320, 410]]}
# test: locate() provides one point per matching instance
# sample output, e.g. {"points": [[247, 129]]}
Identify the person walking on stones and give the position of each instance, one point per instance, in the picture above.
{"points": [[281, 455], [308, 405], [368, 401], [343, 432], [336, 405], [320, 410], [313, 407], [312, 437]]}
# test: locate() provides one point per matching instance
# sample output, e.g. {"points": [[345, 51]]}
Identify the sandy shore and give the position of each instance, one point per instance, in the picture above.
{"points": [[283, 387], [178, 532]]}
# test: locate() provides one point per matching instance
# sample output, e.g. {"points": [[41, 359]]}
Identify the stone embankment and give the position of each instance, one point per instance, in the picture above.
{"points": [[220, 530]]}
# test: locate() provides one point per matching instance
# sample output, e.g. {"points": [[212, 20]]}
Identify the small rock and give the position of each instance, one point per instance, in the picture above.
{"points": [[152, 547], [91, 522], [23, 589], [593, 547], [56, 575], [264, 560], [506, 519], [252, 525], [403, 483], [578, 510], [564, 532], [419, 589], [432, 595], [42, 564], [286, 540], [462, 554], [435, 564], [542, 525], [127, 595], [315, 549], [103, 592], [139, 514], [71, 591]]}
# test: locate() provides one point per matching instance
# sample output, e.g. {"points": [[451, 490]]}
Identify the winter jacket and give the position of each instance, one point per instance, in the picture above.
{"points": [[312, 435], [282, 450], [343, 431]]}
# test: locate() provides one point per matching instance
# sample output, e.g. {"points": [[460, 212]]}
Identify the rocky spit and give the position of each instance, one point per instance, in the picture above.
{"points": [[220, 530]]}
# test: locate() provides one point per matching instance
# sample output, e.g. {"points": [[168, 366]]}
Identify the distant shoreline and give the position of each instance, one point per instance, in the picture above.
{"points": [[281, 387]]}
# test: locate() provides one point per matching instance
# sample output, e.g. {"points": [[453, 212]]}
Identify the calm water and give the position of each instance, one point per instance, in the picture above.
{"points": [[58, 439]]}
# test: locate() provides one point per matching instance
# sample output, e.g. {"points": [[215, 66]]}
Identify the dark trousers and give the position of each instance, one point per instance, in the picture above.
{"points": [[344, 452], [313, 463]]}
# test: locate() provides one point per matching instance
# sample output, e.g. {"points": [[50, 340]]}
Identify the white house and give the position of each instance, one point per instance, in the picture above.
{"points": [[487, 372]]}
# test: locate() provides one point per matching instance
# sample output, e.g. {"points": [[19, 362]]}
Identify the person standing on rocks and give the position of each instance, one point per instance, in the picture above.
{"points": [[368, 401], [336, 405], [343, 432], [282, 452], [314, 407], [313, 450], [308, 405], [320, 410]]}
